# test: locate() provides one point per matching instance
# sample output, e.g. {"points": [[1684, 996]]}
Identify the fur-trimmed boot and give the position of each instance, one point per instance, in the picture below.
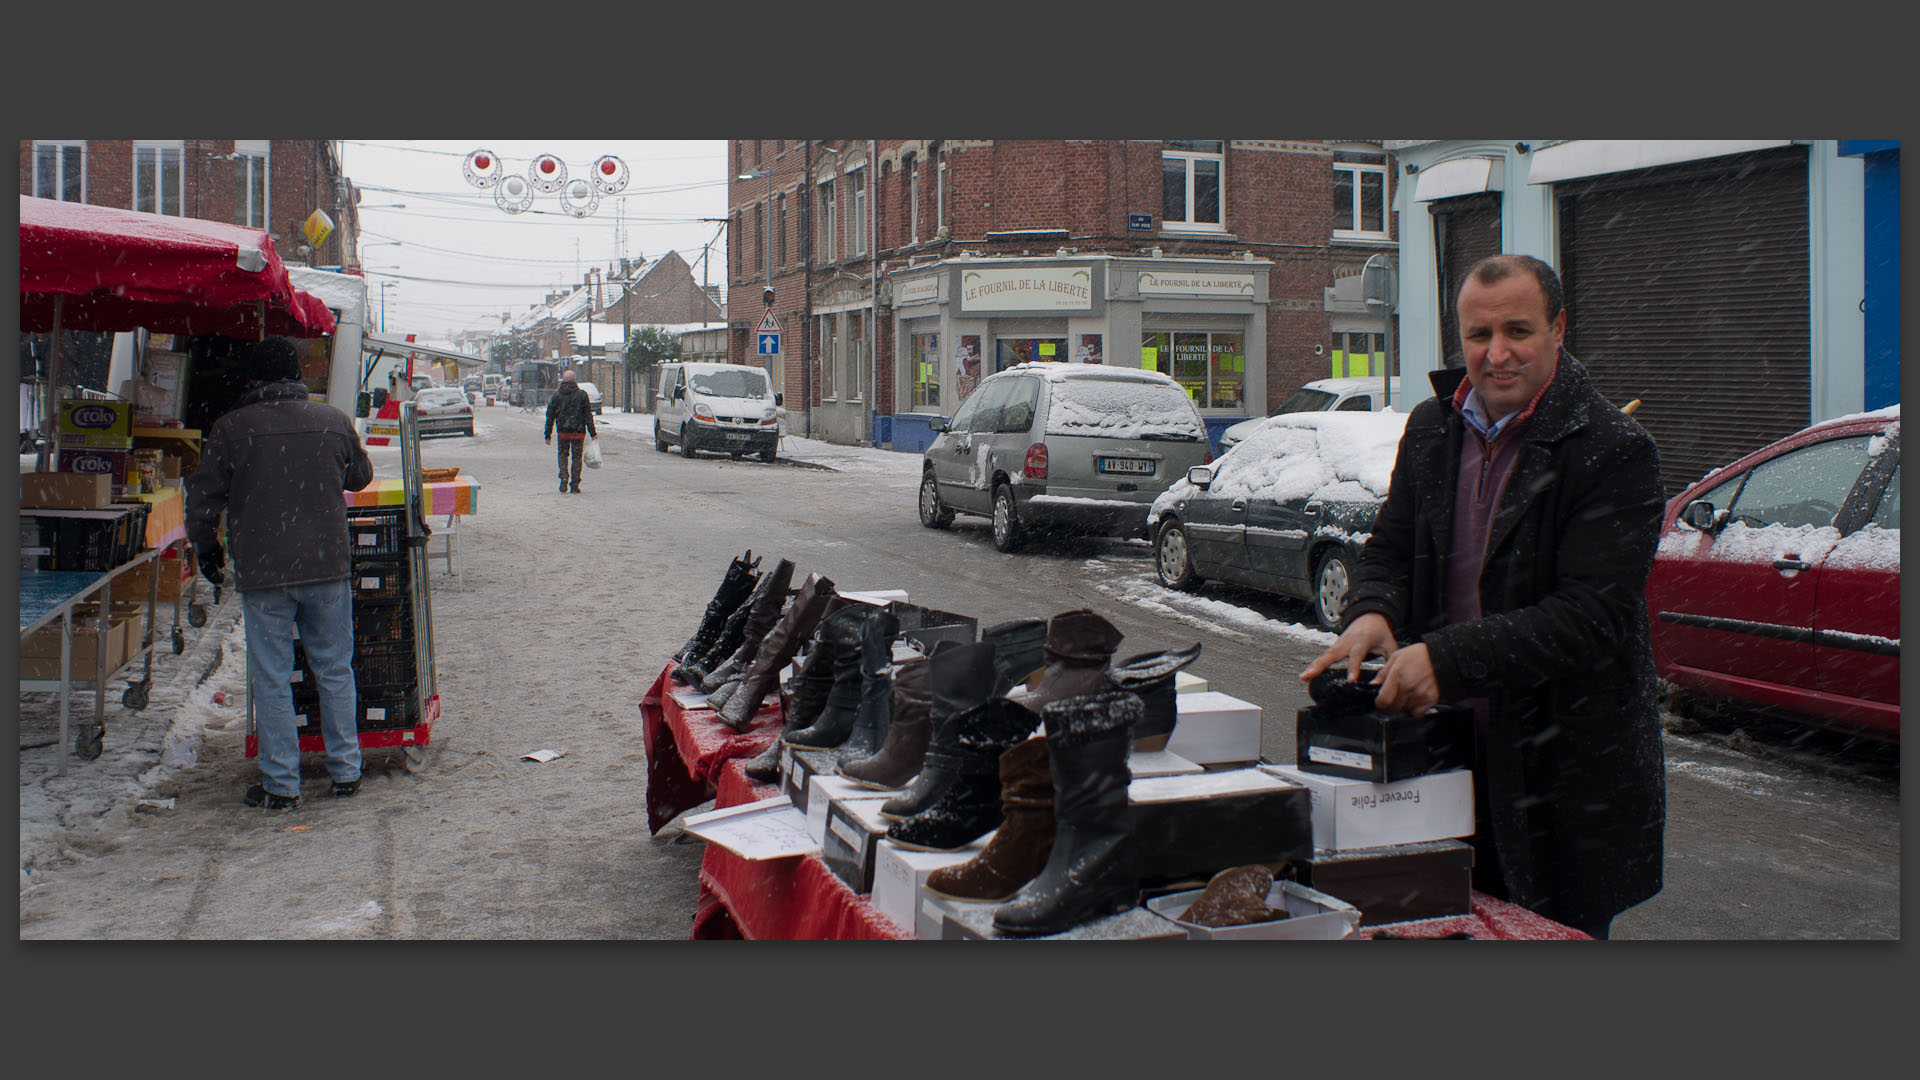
{"points": [[1091, 871], [1235, 897], [735, 587], [1151, 675], [1023, 841]]}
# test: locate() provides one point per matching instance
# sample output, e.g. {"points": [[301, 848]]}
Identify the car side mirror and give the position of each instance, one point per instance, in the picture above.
{"points": [[1701, 515], [779, 399], [1200, 476], [937, 424]]}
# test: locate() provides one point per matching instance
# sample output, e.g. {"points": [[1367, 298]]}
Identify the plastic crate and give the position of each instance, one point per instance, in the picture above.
{"points": [[379, 666], [380, 579], [398, 707], [382, 623], [376, 533]]}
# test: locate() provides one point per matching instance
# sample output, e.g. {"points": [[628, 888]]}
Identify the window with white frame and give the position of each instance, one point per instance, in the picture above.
{"points": [[940, 192], [829, 353], [159, 174], [760, 237], [1359, 195], [250, 164], [913, 200], [60, 170], [857, 221], [1192, 177], [780, 230], [826, 221], [734, 244], [853, 379]]}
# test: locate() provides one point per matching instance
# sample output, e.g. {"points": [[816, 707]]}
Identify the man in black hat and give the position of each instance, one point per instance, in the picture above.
{"points": [[277, 464]]}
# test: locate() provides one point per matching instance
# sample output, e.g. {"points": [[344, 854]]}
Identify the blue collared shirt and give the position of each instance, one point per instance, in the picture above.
{"points": [[1476, 414]]}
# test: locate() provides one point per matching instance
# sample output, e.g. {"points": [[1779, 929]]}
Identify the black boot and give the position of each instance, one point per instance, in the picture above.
{"points": [[969, 807], [734, 588], [771, 595], [805, 695], [962, 678], [1150, 675], [1091, 871], [1018, 651], [908, 729], [1079, 645], [841, 641], [876, 688]]}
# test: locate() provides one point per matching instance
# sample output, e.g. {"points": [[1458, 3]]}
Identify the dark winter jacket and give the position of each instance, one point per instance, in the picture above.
{"points": [[278, 464], [1573, 761], [570, 412]]}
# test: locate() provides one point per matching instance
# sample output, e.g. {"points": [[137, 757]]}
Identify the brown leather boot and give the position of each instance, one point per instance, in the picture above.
{"points": [[1235, 897], [1079, 646], [905, 747], [1022, 843]]}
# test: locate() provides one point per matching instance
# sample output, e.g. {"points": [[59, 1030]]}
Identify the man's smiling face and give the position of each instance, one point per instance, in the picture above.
{"points": [[1511, 348]]}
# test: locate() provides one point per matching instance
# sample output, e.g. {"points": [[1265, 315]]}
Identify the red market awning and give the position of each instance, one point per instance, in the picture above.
{"points": [[118, 270]]}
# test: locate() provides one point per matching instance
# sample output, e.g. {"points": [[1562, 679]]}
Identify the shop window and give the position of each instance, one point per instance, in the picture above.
{"points": [[1359, 196], [1010, 351], [826, 221], [1210, 367], [1357, 355], [1192, 172], [158, 176], [250, 184], [923, 354], [60, 171]]}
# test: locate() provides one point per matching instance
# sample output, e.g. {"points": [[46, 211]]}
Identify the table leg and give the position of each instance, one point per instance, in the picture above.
{"points": [[66, 682]]}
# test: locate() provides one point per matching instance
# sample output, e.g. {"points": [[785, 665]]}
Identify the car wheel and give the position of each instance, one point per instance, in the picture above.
{"points": [[1173, 557], [768, 456], [686, 440], [934, 514], [1006, 522], [1331, 579]]}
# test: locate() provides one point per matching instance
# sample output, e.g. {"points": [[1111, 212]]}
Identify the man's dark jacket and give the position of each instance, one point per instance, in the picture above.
{"points": [[1573, 760], [570, 412], [278, 464]]}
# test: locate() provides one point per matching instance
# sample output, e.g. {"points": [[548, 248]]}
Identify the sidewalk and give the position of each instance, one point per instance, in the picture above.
{"points": [[793, 448]]}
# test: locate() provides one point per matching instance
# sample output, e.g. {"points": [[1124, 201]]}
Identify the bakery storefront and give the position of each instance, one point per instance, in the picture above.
{"points": [[959, 320]]}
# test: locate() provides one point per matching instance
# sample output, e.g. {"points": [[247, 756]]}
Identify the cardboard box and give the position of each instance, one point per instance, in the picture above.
{"points": [[40, 653], [926, 627], [1215, 729], [115, 464], [1196, 825], [1351, 814], [900, 884], [1159, 763], [1383, 747], [110, 421], [974, 922], [823, 790], [798, 768], [1311, 916], [1395, 884], [854, 829], [66, 491], [174, 574]]}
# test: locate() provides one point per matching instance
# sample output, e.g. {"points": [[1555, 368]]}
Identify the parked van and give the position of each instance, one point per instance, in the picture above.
{"points": [[726, 408]]}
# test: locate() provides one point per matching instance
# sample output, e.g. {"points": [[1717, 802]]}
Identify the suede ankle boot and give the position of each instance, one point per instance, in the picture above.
{"points": [[841, 641], [1023, 841], [742, 574], [908, 730], [1078, 648], [763, 610], [1150, 675], [870, 722], [962, 680], [1091, 871], [968, 807], [796, 625]]}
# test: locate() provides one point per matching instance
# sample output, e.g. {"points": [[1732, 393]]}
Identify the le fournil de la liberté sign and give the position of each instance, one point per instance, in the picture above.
{"points": [[1027, 288]]}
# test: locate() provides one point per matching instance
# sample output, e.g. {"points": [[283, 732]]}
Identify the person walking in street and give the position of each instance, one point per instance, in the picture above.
{"points": [[277, 465], [570, 414], [1507, 572]]}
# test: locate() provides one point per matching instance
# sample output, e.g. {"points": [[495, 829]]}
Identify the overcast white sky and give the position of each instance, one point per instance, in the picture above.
{"points": [[462, 262]]}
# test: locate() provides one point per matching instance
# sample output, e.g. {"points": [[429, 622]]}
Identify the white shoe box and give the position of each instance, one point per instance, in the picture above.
{"points": [[1187, 683], [1215, 728], [797, 767], [824, 789], [877, 597], [974, 922], [1159, 763], [1351, 814], [900, 880]]}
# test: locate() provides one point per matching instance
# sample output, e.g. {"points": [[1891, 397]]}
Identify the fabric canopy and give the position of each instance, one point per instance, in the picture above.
{"points": [[118, 270]]}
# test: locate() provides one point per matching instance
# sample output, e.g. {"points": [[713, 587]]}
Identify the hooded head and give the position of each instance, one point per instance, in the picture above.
{"points": [[272, 360]]}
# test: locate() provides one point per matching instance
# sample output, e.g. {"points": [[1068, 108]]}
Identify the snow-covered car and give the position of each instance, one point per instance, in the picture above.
{"points": [[1286, 511], [1354, 394], [593, 396], [443, 410], [1068, 447], [1777, 578]]}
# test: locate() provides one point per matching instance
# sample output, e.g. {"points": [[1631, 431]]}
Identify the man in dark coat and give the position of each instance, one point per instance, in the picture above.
{"points": [[1507, 571], [571, 415], [277, 465]]}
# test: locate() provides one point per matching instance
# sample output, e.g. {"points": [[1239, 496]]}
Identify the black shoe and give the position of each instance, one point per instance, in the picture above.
{"points": [[346, 789], [258, 795], [575, 489], [563, 487]]}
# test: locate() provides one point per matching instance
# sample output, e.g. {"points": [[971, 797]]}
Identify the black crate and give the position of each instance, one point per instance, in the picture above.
{"points": [[396, 707], [383, 664], [380, 579], [376, 533], [382, 623]]}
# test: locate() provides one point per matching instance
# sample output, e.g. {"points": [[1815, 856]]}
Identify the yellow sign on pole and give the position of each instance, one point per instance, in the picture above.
{"points": [[317, 228]]}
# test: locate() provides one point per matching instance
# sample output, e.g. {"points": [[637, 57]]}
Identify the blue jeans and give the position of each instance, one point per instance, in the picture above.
{"points": [[324, 616]]}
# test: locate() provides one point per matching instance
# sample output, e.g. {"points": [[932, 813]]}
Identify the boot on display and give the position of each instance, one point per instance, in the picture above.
{"points": [[876, 687], [1079, 645], [1151, 675], [908, 730], [841, 641], [763, 610], [777, 648], [734, 590], [961, 677], [1020, 844]]}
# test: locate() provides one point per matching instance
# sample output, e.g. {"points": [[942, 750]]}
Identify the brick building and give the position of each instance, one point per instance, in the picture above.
{"points": [[903, 271]]}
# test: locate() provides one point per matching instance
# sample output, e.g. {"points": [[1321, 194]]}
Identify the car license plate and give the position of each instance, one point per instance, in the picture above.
{"points": [[1129, 466], [736, 436]]}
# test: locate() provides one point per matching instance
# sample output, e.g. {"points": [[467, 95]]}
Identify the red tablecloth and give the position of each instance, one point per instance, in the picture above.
{"points": [[686, 748]]}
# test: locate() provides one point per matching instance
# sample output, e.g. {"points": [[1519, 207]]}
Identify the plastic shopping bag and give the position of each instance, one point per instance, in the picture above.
{"points": [[592, 454]]}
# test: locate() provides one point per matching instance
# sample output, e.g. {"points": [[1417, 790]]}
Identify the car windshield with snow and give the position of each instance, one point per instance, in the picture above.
{"points": [[443, 411], [1043, 447], [1777, 578], [1286, 511], [743, 383]]}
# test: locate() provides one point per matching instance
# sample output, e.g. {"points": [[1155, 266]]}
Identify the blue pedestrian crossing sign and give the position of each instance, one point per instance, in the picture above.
{"points": [[769, 334]]}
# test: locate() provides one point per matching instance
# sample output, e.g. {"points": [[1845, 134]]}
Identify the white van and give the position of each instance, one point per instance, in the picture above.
{"points": [[1351, 394], [726, 408]]}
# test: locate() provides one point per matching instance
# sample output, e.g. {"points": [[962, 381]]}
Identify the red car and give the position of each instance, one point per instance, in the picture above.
{"points": [[1777, 580]]}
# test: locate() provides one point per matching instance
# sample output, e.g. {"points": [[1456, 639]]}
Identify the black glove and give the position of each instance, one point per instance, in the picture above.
{"points": [[213, 560]]}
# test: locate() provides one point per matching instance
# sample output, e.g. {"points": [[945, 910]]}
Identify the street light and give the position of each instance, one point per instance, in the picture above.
{"points": [[384, 286]]}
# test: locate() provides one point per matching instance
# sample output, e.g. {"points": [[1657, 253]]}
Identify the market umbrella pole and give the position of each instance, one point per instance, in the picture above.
{"points": [[50, 422]]}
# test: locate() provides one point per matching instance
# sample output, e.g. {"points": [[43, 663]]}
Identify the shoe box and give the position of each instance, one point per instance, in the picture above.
{"points": [[1396, 883], [900, 884], [1196, 824], [1159, 763], [926, 627], [1382, 746], [824, 789], [1351, 814], [1186, 682], [852, 830], [799, 767], [1312, 915], [961, 921], [1215, 728]]}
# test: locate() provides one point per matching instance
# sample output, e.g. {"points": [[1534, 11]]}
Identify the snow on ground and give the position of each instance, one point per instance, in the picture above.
{"points": [[1138, 587]]}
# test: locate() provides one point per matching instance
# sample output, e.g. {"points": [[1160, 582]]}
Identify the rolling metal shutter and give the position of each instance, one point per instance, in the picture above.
{"points": [[1688, 288], [1465, 230]]}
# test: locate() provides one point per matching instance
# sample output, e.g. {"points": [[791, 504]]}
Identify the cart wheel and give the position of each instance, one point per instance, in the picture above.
{"points": [[196, 616], [89, 742], [180, 640], [414, 759], [136, 696]]}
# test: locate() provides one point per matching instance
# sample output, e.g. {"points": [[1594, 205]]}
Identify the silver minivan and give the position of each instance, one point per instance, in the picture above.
{"points": [[1072, 447]]}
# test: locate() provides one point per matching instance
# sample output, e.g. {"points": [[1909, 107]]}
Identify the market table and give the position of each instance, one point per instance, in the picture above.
{"points": [[453, 498], [686, 748], [46, 595]]}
